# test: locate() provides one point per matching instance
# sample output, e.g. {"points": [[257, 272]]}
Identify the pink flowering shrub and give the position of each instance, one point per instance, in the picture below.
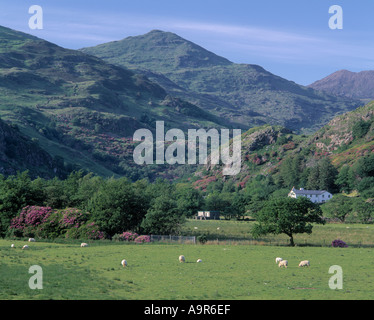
{"points": [[128, 236], [30, 219], [125, 236], [143, 239], [45, 222], [72, 217]]}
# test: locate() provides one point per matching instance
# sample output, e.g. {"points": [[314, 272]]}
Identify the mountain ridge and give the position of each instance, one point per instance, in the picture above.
{"points": [[81, 108], [246, 94], [357, 85]]}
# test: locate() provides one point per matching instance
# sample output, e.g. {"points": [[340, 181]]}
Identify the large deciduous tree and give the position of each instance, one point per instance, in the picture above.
{"points": [[287, 215]]}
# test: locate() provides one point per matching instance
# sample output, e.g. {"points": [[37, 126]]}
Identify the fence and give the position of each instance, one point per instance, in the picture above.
{"points": [[169, 238]]}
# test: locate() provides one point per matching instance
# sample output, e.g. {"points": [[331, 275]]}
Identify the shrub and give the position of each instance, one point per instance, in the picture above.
{"points": [[339, 244], [143, 239], [29, 220], [202, 239], [125, 236], [45, 222]]}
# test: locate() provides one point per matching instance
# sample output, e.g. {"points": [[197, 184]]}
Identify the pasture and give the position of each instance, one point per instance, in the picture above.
{"points": [[233, 231], [229, 272]]}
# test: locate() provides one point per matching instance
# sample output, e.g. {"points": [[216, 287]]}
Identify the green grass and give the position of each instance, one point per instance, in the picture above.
{"points": [[229, 272], [322, 235]]}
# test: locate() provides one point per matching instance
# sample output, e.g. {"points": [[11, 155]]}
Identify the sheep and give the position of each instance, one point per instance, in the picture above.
{"points": [[277, 260], [304, 263], [31, 240], [182, 259], [84, 244], [12, 245], [124, 263], [283, 263], [25, 247], [199, 260]]}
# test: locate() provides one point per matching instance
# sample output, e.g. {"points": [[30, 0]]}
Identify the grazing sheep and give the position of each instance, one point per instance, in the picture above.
{"points": [[25, 247], [84, 244], [12, 245], [283, 263], [182, 259], [199, 260], [277, 260], [304, 263], [124, 263], [31, 240]]}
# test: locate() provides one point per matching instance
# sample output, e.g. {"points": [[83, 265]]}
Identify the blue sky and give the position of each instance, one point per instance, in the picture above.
{"points": [[290, 38]]}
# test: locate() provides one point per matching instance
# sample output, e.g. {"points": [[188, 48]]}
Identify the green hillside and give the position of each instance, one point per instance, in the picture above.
{"points": [[275, 159], [82, 110], [247, 95], [20, 153]]}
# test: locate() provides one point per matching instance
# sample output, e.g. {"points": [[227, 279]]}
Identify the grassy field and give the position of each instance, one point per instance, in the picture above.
{"points": [[232, 272], [353, 234]]}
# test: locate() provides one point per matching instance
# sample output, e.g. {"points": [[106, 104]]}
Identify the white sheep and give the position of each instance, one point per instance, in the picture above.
{"points": [[25, 247], [124, 263], [84, 244], [182, 259], [304, 263], [31, 240], [277, 260], [283, 263], [12, 245], [199, 260]]}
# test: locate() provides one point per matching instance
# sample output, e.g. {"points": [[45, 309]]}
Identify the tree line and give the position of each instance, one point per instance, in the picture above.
{"points": [[161, 207]]}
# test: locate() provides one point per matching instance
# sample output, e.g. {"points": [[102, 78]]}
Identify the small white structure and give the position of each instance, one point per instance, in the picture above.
{"points": [[31, 240], [208, 215], [199, 260], [124, 263], [316, 196], [182, 259]]}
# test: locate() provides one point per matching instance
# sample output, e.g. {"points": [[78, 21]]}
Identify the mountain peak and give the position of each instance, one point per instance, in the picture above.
{"points": [[357, 85], [176, 52]]}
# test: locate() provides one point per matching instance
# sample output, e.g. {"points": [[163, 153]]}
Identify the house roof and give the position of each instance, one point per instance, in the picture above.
{"points": [[309, 192]]}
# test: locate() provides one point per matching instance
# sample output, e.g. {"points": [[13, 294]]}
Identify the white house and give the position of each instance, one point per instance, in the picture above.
{"points": [[316, 196]]}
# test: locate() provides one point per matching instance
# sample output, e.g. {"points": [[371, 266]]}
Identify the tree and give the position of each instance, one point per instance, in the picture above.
{"points": [[116, 207], [291, 171], [363, 209], [16, 192], [163, 217], [287, 215], [327, 175], [322, 176], [217, 201], [189, 200], [344, 179], [338, 207], [360, 129]]}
